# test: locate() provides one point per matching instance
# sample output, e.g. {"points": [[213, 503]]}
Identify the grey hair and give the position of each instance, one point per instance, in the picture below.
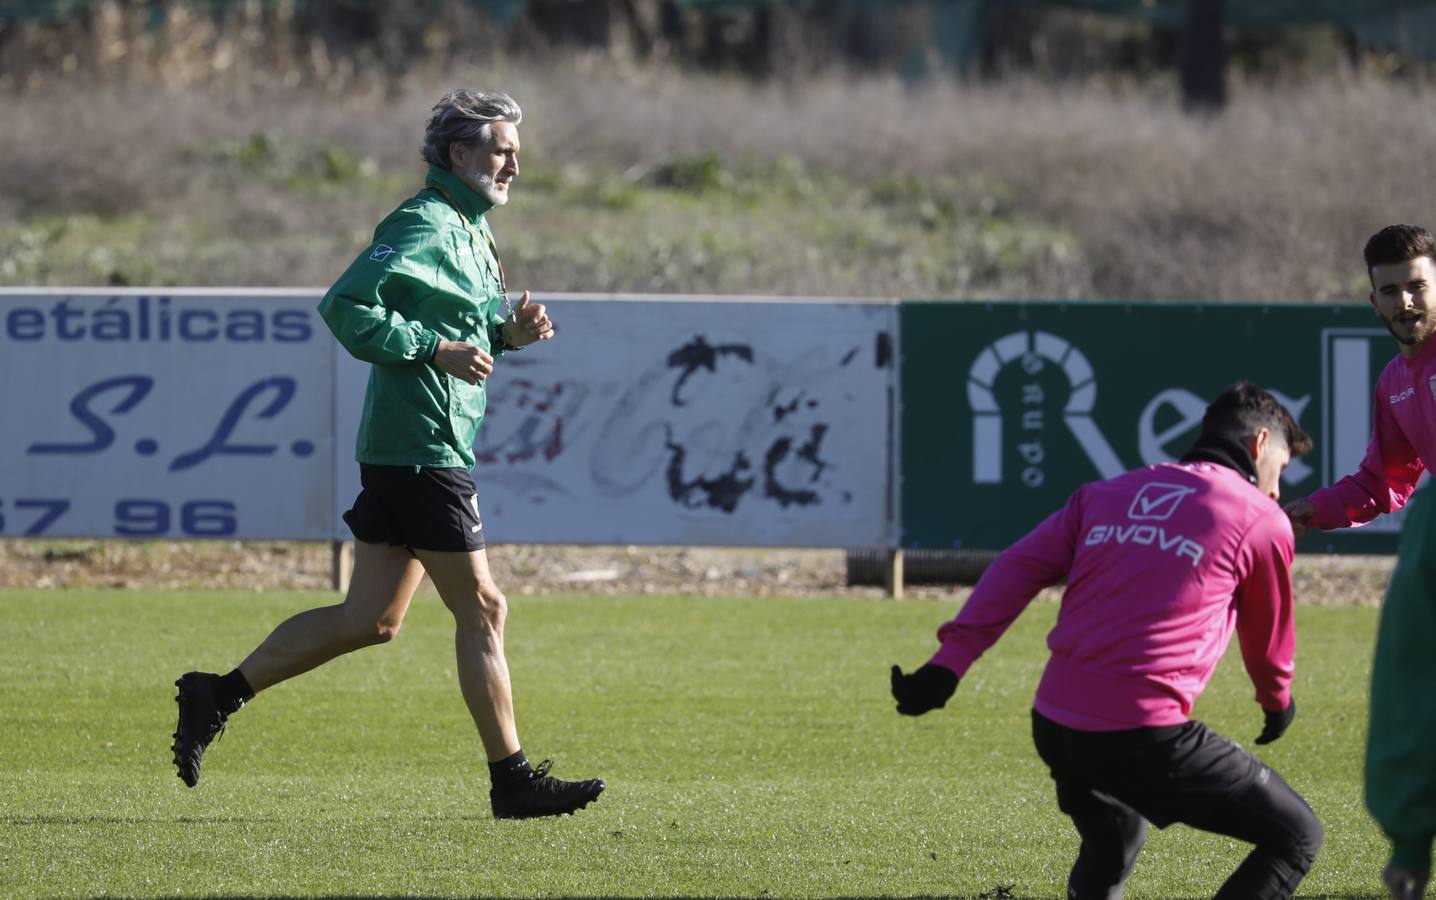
{"points": [[466, 117]]}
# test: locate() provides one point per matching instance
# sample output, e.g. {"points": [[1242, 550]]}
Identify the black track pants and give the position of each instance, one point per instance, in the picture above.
{"points": [[1112, 783]]}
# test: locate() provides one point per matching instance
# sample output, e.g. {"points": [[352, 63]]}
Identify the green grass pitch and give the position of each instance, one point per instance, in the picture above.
{"points": [[750, 748]]}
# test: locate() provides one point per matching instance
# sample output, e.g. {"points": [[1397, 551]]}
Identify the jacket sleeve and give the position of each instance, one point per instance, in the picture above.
{"points": [[362, 308], [496, 339], [1266, 623], [1401, 740], [1039, 560], [1383, 483]]}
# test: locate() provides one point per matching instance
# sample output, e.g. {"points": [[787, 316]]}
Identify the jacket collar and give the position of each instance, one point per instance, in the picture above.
{"points": [[1224, 451], [470, 202]]}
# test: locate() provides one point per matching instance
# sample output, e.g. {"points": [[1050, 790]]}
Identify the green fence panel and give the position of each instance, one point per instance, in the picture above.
{"points": [[1006, 408]]}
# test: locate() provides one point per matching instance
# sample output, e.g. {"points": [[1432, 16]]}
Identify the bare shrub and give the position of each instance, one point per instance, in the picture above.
{"points": [[1017, 189], [1269, 201]]}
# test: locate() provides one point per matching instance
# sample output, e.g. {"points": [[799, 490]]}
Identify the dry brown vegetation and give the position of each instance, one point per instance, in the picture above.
{"points": [[655, 180]]}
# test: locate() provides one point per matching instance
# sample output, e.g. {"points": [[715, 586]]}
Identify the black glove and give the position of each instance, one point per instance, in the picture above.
{"points": [[926, 689], [1276, 723]]}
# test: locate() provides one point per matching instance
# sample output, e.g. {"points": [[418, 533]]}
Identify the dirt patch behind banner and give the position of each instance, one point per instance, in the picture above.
{"points": [[533, 568]]}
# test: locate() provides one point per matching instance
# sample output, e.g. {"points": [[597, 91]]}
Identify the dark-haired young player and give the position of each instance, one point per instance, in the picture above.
{"points": [[1401, 262], [1400, 765], [1163, 564]]}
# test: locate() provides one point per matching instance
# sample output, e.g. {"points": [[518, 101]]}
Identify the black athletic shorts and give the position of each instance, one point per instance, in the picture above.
{"points": [[418, 508]]}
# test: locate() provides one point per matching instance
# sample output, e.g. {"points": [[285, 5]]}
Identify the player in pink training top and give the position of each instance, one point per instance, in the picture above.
{"points": [[1162, 564], [1401, 261]]}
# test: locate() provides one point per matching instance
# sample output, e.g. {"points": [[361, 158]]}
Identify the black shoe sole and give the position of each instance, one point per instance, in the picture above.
{"points": [[180, 764], [557, 812], [180, 774]]}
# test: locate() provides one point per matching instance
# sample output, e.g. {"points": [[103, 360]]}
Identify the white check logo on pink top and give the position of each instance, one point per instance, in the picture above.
{"points": [[1156, 501]]}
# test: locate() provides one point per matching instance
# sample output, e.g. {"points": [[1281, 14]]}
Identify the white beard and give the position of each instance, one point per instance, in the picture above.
{"points": [[490, 191]]}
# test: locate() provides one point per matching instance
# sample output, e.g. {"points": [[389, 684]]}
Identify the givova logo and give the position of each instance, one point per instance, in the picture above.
{"points": [[1156, 502], [1154, 536]]}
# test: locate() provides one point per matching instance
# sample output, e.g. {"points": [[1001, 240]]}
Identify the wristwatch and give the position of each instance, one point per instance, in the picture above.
{"points": [[498, 339]]}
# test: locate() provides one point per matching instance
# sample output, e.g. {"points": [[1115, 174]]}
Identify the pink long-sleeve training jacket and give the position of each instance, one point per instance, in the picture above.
{"points": [[1403, 445], [1162, 565]]}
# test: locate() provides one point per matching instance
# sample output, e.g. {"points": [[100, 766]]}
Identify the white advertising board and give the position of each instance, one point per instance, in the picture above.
{"points": [[699, 421], [165, 414], [232, 414]]}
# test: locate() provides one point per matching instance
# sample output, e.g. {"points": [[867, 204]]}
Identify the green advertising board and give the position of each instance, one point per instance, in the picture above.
{"points": [[1009, 407]]}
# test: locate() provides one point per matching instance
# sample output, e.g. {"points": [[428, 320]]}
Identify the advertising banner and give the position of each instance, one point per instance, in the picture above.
{"points": [[165, 415], [213, 414], [694, 421], [1009, 407]]}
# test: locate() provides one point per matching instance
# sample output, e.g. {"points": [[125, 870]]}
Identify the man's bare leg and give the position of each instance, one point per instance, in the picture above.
{"points": [[380, 589], [384, 581], [480, 610]]}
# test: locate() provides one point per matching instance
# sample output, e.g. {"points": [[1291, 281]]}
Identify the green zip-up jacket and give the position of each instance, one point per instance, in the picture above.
{"points": [[426, 277], [1401, 743]]}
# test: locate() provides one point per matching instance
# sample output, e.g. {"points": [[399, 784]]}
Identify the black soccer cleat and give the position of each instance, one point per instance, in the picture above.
{"points": [[543, 795], [200, 722]]}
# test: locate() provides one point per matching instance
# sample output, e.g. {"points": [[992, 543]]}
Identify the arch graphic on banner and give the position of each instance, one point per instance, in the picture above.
{"points": [[987, 415]]}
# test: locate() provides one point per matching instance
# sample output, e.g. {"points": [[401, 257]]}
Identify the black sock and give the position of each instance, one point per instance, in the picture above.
{"points": [[510, 769], [232, 692]]}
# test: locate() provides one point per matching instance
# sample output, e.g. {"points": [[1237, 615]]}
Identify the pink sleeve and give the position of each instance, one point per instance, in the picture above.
{"points": [[1266, 625], [1038, 560], [1384, 482]]}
